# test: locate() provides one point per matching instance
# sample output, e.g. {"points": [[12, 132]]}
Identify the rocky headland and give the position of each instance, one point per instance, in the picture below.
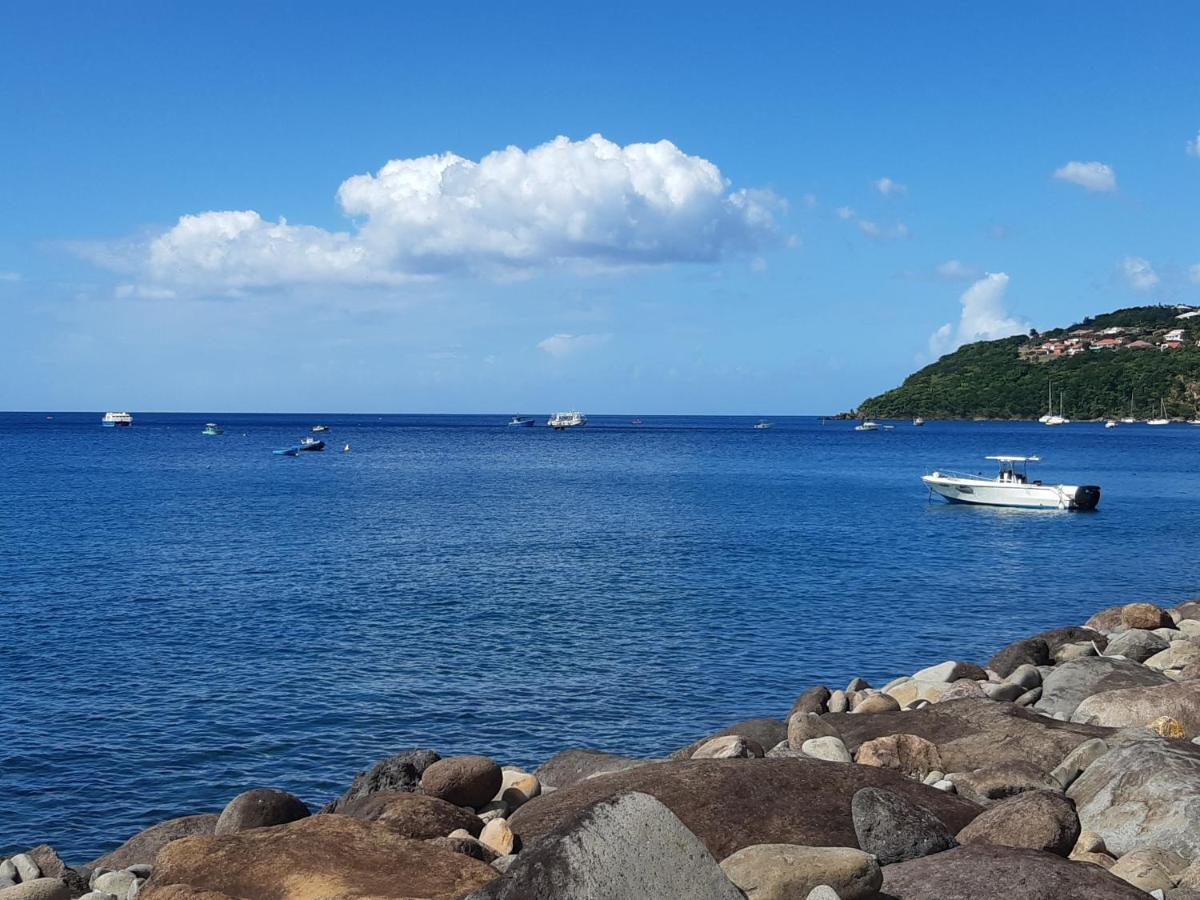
{"points": [[1066, 766]]}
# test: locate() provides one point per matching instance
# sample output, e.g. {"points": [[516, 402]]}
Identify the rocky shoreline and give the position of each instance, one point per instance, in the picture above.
{"points": [[1066, 766]]}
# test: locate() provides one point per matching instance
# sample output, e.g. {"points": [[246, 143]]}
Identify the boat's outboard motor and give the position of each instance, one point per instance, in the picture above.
{"points": [[1087, 496]]}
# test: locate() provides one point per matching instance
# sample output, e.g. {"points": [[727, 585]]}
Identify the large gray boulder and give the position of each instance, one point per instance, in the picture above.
{"points": [[144, 846], [1071, 683], [1143, 794], [990, 872], [971, 733], [1142, 705], [734, 803], [1037, 820], [1137, 644], [765, 732], [569, 766], [260, 808], [400, 772], [895, 828], [628, 847]]}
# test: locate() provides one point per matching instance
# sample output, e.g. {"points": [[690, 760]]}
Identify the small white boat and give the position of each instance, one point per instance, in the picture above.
{"points": [[762, 424], [867, 426], [561, 420], [346, 449], [1128, 421], [520, 422], [117, 420], [1050, 418], [320, 429], [1012, 487], [1161, 420], [918, 422], [1111, 423], [212, 429]]}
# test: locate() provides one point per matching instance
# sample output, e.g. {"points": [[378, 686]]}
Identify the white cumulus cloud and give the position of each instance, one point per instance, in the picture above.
{"points": [[560, 346], [1193, 146], [1139, 273], [591, 202], [890, 188], [1095, 176], [983, 317]]}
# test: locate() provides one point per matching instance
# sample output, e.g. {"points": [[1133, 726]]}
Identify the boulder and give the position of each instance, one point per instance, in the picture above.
{"points": [[461, 842], [907, 754], [260, 808], [625, 847], [517, 787], [965, 687], [828, 748], [730, 804], [973, 733], [1139, 706], [991, 872], [950, 671], [1075, 762], [805, 726], [876, 703], [119, 883], [1107, 620], [318, 856], [1137, 644], [1000, 780], [814, 700], [399, 772], [413, 816], [48, 862], [909, 691], [766, 732], [497, 835], [895, 828], [730, 746], [1037, 820], [1039, 649], [1073, 682], [786, 871], [569, 766], [1146, 616], [26, 866], [1025, 676], [144, 846], [1150, 869], [470, 781], [1002, 693], [1068, 652], [1177, 657], [1189, 609], [37, 889], [1145, 793]]}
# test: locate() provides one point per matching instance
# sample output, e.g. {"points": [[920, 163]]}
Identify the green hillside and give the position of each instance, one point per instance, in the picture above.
{"points": [[1008, 378]]}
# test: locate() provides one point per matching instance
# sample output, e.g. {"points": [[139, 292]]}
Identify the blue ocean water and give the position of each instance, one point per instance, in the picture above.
{"points": [[184, 617]]}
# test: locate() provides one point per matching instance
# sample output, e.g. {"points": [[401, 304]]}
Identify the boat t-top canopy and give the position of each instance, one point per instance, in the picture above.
{"points": [[1015, 459]]}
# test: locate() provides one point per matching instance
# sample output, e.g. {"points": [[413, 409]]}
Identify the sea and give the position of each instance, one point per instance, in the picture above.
{"points": [[185, 617]]}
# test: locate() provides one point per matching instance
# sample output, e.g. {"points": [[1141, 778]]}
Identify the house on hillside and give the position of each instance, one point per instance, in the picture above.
{"points": [[1173, 336], [1108, 343], [1140, 345]]}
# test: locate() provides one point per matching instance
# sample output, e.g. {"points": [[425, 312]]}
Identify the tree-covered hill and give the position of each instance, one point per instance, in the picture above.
{"points": [[1009, 378]]}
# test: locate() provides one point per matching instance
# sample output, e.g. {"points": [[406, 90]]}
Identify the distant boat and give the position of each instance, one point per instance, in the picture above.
{"points": [[319, 429], [867, 426], [212, 429], [1163, 420], [562, 420], [287, 451], [1012, 487], [1130, 419], [521, 422], [1111, 423], [310, 443], [1060, 419], [636, 422], [117, 420], [763, 424], [346, 449], [918, 422]]}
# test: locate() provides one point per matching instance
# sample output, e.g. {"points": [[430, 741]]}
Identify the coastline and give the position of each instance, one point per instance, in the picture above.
{"points": [[1066, 760]]}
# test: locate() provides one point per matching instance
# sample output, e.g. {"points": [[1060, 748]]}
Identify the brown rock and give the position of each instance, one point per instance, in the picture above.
{"points": [[907, 754], [814, 700], [497, 835], [1189, 609], [730, 803], [1145, 615], [569, 766], [973, 733], [1038, 820], [467, 846], [805, 726], [1150, 868], [400, 772], [327, 856], [470, 781], [144, 846], [260, 808], [964, 688], [1039, 649], [1108, 619], [765, 732], [729, 746], [996, 782], [990, 872], [876, 703], [517, 787], [413, 816]]}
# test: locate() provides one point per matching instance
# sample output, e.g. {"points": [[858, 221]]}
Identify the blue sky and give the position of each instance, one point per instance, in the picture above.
{"points": [[759, 263]]}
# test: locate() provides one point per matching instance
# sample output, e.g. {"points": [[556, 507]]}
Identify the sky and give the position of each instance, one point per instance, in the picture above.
{"points": [[623, 208]]}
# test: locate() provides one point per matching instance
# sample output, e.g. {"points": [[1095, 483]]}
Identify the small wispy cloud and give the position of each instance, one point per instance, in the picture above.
{"points": [[845, 213], [890, 188], [877, 232], [1193, 146], [10, 276], [1194, 274], [1093, 176], [956, 270], [1139, 274], [560, 346]]}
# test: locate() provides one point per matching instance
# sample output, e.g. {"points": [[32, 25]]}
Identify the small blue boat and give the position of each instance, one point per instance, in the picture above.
{"points": [[212, 429], [309, 443], [288, 451]]}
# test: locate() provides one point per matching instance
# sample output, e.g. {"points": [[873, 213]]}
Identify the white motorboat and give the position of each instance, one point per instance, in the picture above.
{"points": [[1012, 487], [918, 422], [762, 425], [1111, 423], [117, 420], [561, 420], [867, 426]]}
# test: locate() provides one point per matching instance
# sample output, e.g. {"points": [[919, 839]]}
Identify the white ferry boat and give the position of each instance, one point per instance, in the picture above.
{"points": [[117, 420], [561, 420], [1012, 487]]}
